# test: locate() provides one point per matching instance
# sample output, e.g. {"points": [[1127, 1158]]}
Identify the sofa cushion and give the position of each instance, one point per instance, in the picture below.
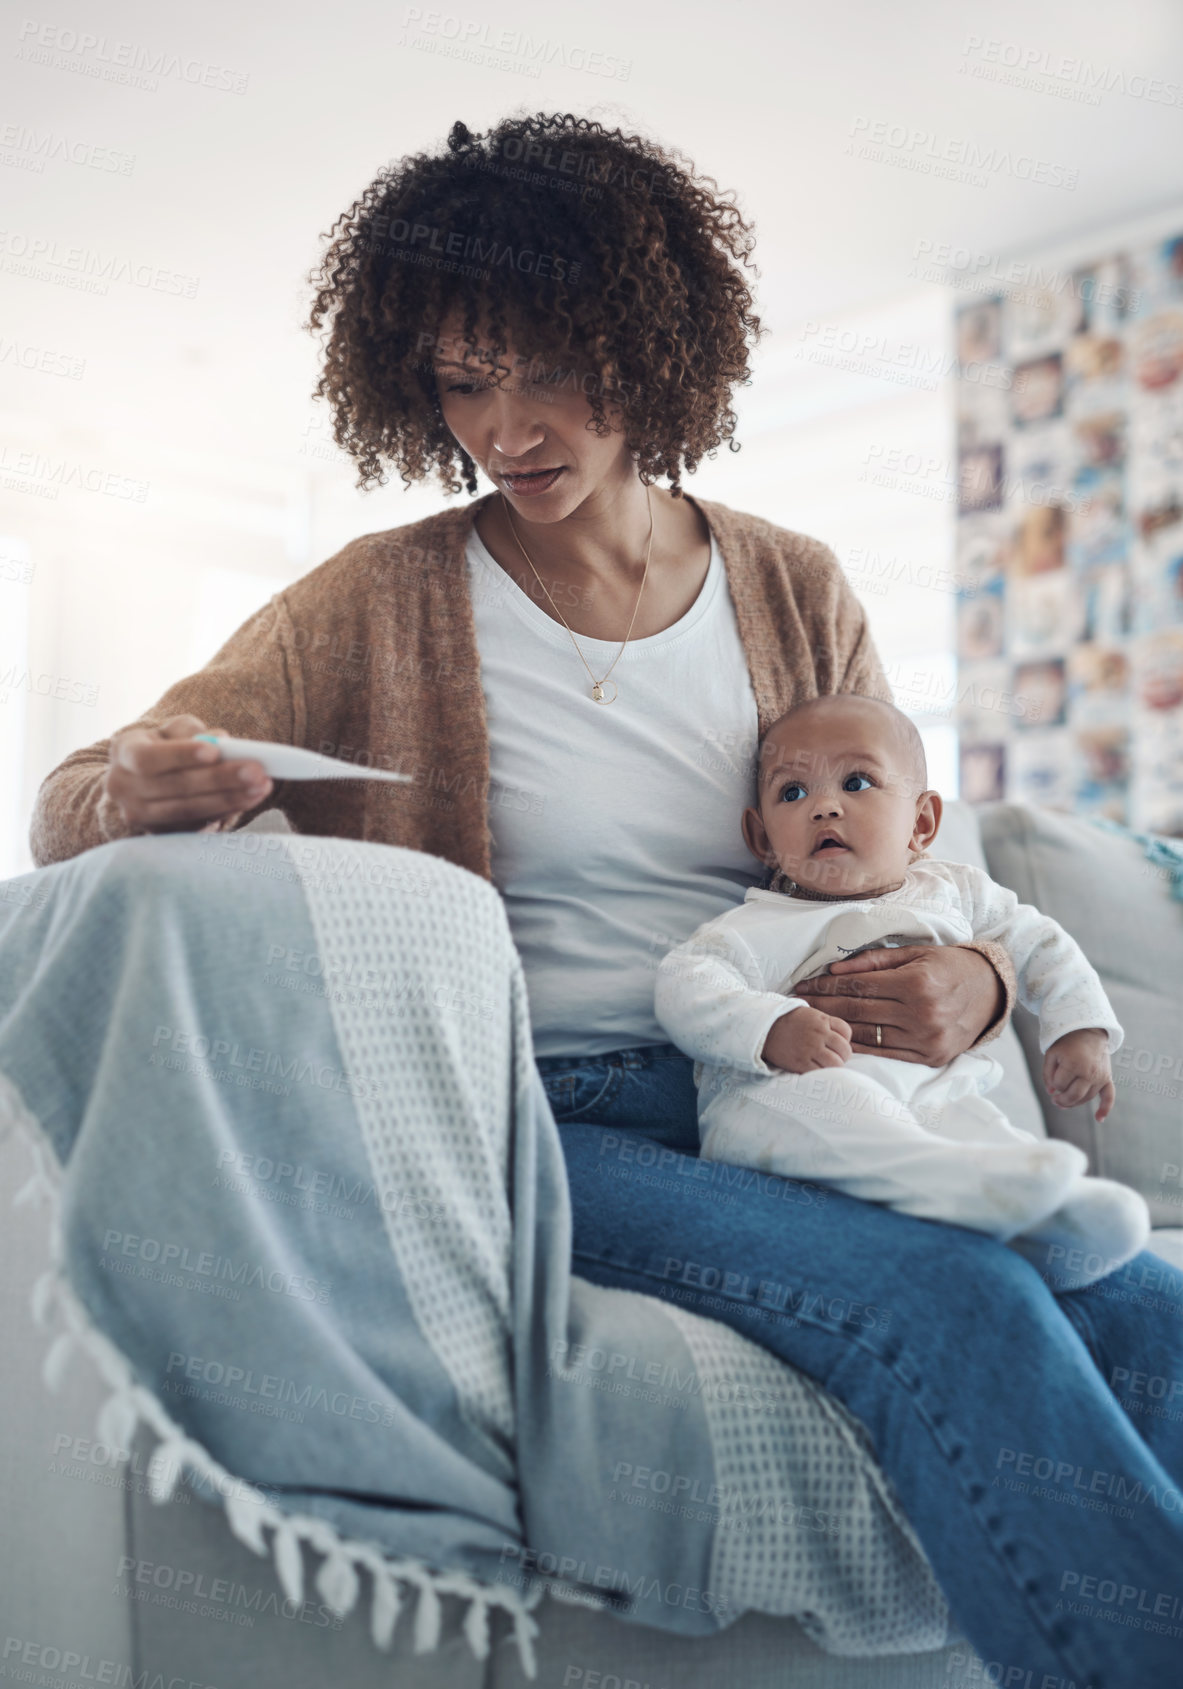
{"points": [[596, 1651], [1118, 907], [1167, 1241], [959, 840]]}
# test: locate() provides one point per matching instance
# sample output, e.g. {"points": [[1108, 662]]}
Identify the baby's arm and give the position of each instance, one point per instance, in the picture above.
{"points": [[1078, 1030], [712, 1000]]}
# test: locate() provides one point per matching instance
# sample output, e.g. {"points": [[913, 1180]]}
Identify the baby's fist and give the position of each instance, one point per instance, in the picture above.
{"points": [[806, 1038], [1076, 1069]]}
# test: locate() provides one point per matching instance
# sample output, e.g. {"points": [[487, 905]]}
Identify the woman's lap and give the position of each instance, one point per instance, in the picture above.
{"points": [[627, 1124], [946, 1345], [987, 1398]]}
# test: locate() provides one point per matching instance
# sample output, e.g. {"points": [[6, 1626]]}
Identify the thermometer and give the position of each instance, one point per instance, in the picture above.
{"points": [[290, 762]]}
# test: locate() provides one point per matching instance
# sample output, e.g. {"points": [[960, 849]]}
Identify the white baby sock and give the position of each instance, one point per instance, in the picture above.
{"points": [[1096, 1230], [1011, 1187]]}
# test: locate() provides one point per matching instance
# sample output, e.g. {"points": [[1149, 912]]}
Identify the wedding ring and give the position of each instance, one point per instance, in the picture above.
{"points": [[878, 1035]]}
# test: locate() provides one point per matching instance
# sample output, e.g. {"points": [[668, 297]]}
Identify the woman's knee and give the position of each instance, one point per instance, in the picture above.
{"points": [[148, 866], [986, 1281], [195, 870], [220, 900]]}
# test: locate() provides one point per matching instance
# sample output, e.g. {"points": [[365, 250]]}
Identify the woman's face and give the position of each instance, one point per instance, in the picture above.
{"points": [[527, 415]]}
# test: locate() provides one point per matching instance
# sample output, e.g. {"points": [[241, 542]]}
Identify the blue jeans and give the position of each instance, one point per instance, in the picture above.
{"points": [[1017, 1426]]}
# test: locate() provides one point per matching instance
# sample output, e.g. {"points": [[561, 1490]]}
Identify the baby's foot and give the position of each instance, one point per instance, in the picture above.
{"points": [[1096, 1230], [1018, 1185]]}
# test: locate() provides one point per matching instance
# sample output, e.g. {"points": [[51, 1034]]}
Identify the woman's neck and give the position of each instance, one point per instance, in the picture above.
{"points": [[601, 542], [583, 563]]}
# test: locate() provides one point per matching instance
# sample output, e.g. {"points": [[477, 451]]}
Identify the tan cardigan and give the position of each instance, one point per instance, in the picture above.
{"points": [[372, 657]]}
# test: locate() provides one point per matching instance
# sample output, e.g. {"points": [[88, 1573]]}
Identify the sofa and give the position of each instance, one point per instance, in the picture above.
{"points": [[91, 1564]]}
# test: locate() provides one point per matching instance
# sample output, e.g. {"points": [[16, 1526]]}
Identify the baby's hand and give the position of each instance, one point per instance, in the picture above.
{"points": [[806, 1038], [1076, 1069]]}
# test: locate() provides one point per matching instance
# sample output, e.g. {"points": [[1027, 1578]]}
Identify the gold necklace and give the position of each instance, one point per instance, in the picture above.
{"points": [[597, 690]]}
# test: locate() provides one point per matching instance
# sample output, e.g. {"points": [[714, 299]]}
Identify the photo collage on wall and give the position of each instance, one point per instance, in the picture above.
{"points": [[1070, 540]]}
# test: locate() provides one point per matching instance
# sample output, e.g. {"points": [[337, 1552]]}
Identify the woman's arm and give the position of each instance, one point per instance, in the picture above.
{"points": [[250, 688]]}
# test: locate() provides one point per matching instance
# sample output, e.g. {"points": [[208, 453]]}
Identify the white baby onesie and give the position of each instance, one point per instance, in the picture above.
{"points": [[924, 1140]]}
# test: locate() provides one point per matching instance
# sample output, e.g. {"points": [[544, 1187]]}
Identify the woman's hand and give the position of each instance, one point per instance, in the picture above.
{"points": [[932, 1000], [164, 781]]}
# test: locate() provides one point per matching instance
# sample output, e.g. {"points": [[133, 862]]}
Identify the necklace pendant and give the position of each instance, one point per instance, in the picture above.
{"points": [[602, 697], [598, 693]]}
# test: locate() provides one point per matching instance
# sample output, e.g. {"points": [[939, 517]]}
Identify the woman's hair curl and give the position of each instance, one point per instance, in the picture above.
{"points": [[594, 250]]}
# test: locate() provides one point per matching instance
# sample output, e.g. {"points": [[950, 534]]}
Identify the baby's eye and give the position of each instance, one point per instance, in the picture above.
{"points": [[793, 786], [847, 787]]}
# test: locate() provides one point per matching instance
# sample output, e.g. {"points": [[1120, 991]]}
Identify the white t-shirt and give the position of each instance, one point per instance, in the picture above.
{"points": [[616, 827]]}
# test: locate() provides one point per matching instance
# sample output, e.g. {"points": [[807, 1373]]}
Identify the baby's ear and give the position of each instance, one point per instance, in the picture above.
{"points": [[756, 838], [929, 807]]}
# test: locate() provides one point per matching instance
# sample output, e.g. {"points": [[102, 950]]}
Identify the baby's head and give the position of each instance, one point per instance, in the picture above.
{"points": [[808, 791]]}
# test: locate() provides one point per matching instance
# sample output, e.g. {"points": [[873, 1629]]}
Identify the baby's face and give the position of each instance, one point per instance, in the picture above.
{"points": [[840, 773]]}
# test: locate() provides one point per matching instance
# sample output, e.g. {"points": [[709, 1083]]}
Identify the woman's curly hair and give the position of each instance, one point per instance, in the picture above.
{"points": [[567, 239]]}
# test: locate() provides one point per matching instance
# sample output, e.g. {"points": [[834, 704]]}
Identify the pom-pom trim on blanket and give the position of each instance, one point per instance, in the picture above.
{"points": [[248, 1512]]}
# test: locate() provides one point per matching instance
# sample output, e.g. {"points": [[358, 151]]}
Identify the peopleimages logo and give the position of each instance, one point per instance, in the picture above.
{"points": [[257, 1171], [253, 1059], [239, 1383], [1024, 66], [177, 1586], [67, 1663], [1067, 1476], [179, 1258], [925, 151], [1125, 1597], [122, 61], [456, 243]]}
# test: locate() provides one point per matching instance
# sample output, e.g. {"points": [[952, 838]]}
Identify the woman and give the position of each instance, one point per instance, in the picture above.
{"points": [[575, 670]]}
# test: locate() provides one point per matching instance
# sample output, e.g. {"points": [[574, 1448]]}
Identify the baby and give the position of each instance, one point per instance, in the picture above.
{"points": [[845, 821]]}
